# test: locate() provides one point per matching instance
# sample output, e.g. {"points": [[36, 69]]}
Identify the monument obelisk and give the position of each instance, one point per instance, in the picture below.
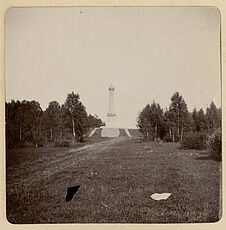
{"points": [[111, 116]]}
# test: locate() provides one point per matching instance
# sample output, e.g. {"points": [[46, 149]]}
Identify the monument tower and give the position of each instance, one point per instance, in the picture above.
{"points": [[111, 116]]}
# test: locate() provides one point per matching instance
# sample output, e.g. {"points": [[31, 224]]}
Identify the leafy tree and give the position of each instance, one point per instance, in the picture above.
{"points": [[77, 113], [150, 121], [33, 118], [170, 125], [94, 121], [178, 115], [52, 117], [144, 122], [23, 122], [199, 121], [27, 123], [157, 114], [194, 119], [12, 123], [213, 116]]}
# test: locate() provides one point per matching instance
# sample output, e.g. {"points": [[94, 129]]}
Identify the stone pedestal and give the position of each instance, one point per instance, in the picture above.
{"points": [[110, 132]]}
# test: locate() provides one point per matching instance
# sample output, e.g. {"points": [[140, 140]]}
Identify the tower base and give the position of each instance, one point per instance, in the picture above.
{"points": [[111, 120]]}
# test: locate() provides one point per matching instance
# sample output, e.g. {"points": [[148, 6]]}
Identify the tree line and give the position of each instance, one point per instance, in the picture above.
{"points": [[176, 121], [26, 122]]}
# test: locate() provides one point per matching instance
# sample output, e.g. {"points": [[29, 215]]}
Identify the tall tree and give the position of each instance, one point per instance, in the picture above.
{"points": [[199, 121], [170, 124], [178, 114], [77, 112], [23, 121], [33, 120], [13, 124], [144, 122], [213, 116], [150, 121], [53, 118]]}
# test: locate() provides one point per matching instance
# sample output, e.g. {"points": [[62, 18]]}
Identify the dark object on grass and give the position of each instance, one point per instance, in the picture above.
{"points": [[71, 192]]}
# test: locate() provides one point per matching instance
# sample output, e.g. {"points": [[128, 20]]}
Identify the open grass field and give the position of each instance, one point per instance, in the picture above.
{"points": [[117, 177]]}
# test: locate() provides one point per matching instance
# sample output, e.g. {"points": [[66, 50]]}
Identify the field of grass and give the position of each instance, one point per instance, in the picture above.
{"points": [[117, 177]]}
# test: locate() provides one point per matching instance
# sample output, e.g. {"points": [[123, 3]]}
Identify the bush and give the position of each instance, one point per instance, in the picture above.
{"points": [[214, 145], [194, 140]]}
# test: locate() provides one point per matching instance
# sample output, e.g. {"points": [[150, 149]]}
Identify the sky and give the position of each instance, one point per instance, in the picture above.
{"points": [[147, 53]]}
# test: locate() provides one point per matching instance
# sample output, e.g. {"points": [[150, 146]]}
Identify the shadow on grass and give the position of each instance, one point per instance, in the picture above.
{"points": [[205, 157]]}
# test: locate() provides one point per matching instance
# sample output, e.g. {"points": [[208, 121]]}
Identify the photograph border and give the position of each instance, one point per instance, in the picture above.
{"points": [[5, 5]]}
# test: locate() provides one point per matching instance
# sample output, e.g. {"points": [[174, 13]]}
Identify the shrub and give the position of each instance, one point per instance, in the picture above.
{"points": [[194, 140], [214, 145]]}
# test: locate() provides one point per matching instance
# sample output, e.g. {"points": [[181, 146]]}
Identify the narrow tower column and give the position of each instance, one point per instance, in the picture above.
{"points": [[111, 116], [111, 101]]}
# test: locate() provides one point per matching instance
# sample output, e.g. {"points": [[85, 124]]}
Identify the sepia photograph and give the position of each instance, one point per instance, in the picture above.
{"points": [[113, 115]]}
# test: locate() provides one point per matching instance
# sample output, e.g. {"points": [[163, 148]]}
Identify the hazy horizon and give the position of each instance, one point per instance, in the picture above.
{"points": [[148, 53]]}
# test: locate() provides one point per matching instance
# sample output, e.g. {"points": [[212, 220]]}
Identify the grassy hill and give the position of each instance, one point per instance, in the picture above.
{"points": [[117, 177]]}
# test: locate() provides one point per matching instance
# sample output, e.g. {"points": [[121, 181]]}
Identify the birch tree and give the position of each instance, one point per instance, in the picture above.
{"points": [[53, 118], [78, 116], [178, 113]]}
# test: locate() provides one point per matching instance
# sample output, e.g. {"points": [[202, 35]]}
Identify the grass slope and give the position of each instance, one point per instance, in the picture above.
{"points": [[135, 132], [125, 174], [122, 133]]}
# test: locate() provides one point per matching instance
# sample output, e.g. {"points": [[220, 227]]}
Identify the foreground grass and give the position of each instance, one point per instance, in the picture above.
{"points": [[126, 173]]}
